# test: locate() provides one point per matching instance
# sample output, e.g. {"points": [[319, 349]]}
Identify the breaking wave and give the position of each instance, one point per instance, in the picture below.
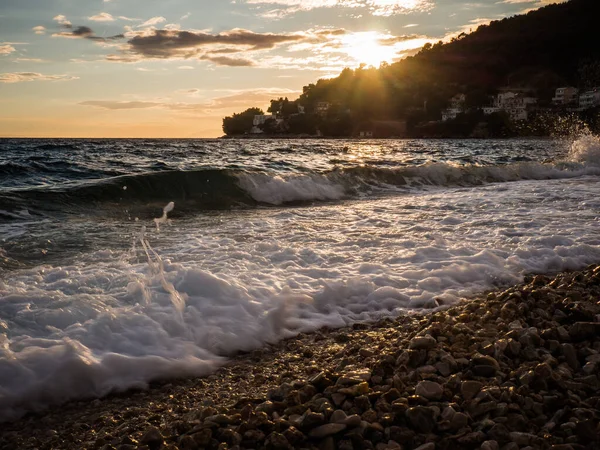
{"points": [[225, 188]]}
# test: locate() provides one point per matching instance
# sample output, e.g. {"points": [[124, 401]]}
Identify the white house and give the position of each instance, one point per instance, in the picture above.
{"points": [[589, 99], [457, 106], [516, 105], [490, 110], [261, 119], [565, 95], [450, 113], [322, 107]]}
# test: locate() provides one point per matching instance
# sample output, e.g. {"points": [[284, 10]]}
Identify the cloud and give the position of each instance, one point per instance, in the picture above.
{"points": [[83, 32], [228, 61], [177, 44], [532, 4], [116, 105], [470, 27], [153, 21], [19, 77], [228, 102], [280, 8], [539, 2], [102, 17], [6, 49], [39, 29], [31, 60], [62, 20], [185, 16]]}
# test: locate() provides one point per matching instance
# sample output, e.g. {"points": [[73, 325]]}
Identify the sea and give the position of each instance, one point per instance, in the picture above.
{"points": [[127, 261]]}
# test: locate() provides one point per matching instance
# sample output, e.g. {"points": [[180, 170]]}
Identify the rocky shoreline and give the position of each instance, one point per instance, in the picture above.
{"points": [[510, 370]]}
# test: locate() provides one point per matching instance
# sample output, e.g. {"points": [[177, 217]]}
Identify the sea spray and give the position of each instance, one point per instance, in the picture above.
{"points": [[586, 149], [163, 219], [156, 265]]}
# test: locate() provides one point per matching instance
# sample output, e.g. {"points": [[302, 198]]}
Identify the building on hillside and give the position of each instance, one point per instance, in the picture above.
{"points": [[565, 95], [261, 119], [589, 99], [487, 110], [458, 101], [457, 106], [517, 105], [322, 107], [382, 129]]}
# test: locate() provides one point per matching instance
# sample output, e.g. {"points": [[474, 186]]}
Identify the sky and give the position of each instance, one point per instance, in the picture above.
{"points": [[175, 68]]}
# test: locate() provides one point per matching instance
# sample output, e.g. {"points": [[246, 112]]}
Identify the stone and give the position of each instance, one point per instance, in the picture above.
{"points": [[581, 331], [522, 439], [586, 431], [511, 446], [470, 439], [353, 421], [469, 389], [570, 355], [203, 437], [428, 446], [422, 343], [430, 390], [188, 443], [482, 408], [338, 416], [327, 444], [338, 399], [356, 390], [459, 420], [448, 413], [152, 437], [485, 360], [277, 441], [326, 430], [490, 445], [311, 420], [421, 418]]}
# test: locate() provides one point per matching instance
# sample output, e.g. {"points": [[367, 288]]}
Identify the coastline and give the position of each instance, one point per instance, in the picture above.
{"points": [[504, 370], [363, 139]]}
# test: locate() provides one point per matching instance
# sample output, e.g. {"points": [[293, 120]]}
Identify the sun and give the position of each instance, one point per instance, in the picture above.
{"points": [[366, 47], [373, 48]]}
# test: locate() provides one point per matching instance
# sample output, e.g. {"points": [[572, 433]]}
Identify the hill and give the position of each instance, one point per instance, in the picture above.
{"points": [[539, 51]]}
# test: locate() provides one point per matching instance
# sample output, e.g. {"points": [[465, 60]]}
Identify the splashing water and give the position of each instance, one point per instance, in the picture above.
{"points": [[156, 265], [586, 149], [163, 219]]}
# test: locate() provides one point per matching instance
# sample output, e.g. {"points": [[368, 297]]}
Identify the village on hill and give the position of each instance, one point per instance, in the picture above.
{"points": [[526, 75]]}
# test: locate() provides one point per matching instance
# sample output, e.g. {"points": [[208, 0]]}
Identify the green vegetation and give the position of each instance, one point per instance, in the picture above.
{"points": [[240, 123], [548, 48]]}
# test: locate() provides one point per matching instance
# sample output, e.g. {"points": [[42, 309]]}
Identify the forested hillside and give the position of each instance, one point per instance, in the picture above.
{"points": [[557, 45]]}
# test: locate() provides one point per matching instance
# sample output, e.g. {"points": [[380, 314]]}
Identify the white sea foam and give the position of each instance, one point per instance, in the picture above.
{"points": [[277, 190], [210, 286], [583, 159]]}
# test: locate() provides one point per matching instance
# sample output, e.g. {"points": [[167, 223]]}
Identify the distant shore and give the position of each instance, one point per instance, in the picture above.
{"points": [[355, 138], [511, 369]]}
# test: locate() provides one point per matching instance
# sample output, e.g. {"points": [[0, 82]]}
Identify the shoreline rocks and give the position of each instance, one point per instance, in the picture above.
{"points": [[517, 369]]}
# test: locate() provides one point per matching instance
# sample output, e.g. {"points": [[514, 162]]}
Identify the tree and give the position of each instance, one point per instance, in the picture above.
{"points": [[240, 123]]}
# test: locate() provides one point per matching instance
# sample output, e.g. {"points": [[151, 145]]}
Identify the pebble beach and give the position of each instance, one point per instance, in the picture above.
{"points": [[507, 370]]}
